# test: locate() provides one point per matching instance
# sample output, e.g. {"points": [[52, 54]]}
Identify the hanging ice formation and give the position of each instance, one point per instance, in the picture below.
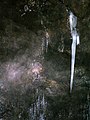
{"points": [[45, 39], [38, 108], [75, 41]]}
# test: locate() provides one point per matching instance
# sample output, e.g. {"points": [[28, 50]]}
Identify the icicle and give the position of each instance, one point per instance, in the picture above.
{"points": [[73, 59], [75, 41], [43, 101], [45, 39], [41, 117], [38, 108], [45, 42]]}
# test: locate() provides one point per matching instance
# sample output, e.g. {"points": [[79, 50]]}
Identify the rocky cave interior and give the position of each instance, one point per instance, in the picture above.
{"points": [[23, 26]]}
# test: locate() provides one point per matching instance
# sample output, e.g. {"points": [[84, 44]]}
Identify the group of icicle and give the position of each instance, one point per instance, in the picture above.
{"points": [[38, 108], [75, 41], [74, 35]]}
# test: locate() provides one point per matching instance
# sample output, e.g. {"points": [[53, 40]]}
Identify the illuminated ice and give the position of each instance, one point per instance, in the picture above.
{"points": [[38, 108], [73, 21], [75, 41], [45, 42]]}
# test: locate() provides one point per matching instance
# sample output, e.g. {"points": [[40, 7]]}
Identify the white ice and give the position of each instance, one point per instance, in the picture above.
{"points": [[75, 41], [73, 21]]}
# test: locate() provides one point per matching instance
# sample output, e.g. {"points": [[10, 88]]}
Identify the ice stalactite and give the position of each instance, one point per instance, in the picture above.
{"points": [[45, 42], [75, 41], [45, 39], [38, 108]]}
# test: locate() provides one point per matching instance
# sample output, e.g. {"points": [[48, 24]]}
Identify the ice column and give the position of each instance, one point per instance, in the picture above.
{"points": [[75, 41]]}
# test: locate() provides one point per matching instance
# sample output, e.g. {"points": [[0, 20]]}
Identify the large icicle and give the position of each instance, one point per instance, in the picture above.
{"points": [[74, 37], [75, 41]]}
